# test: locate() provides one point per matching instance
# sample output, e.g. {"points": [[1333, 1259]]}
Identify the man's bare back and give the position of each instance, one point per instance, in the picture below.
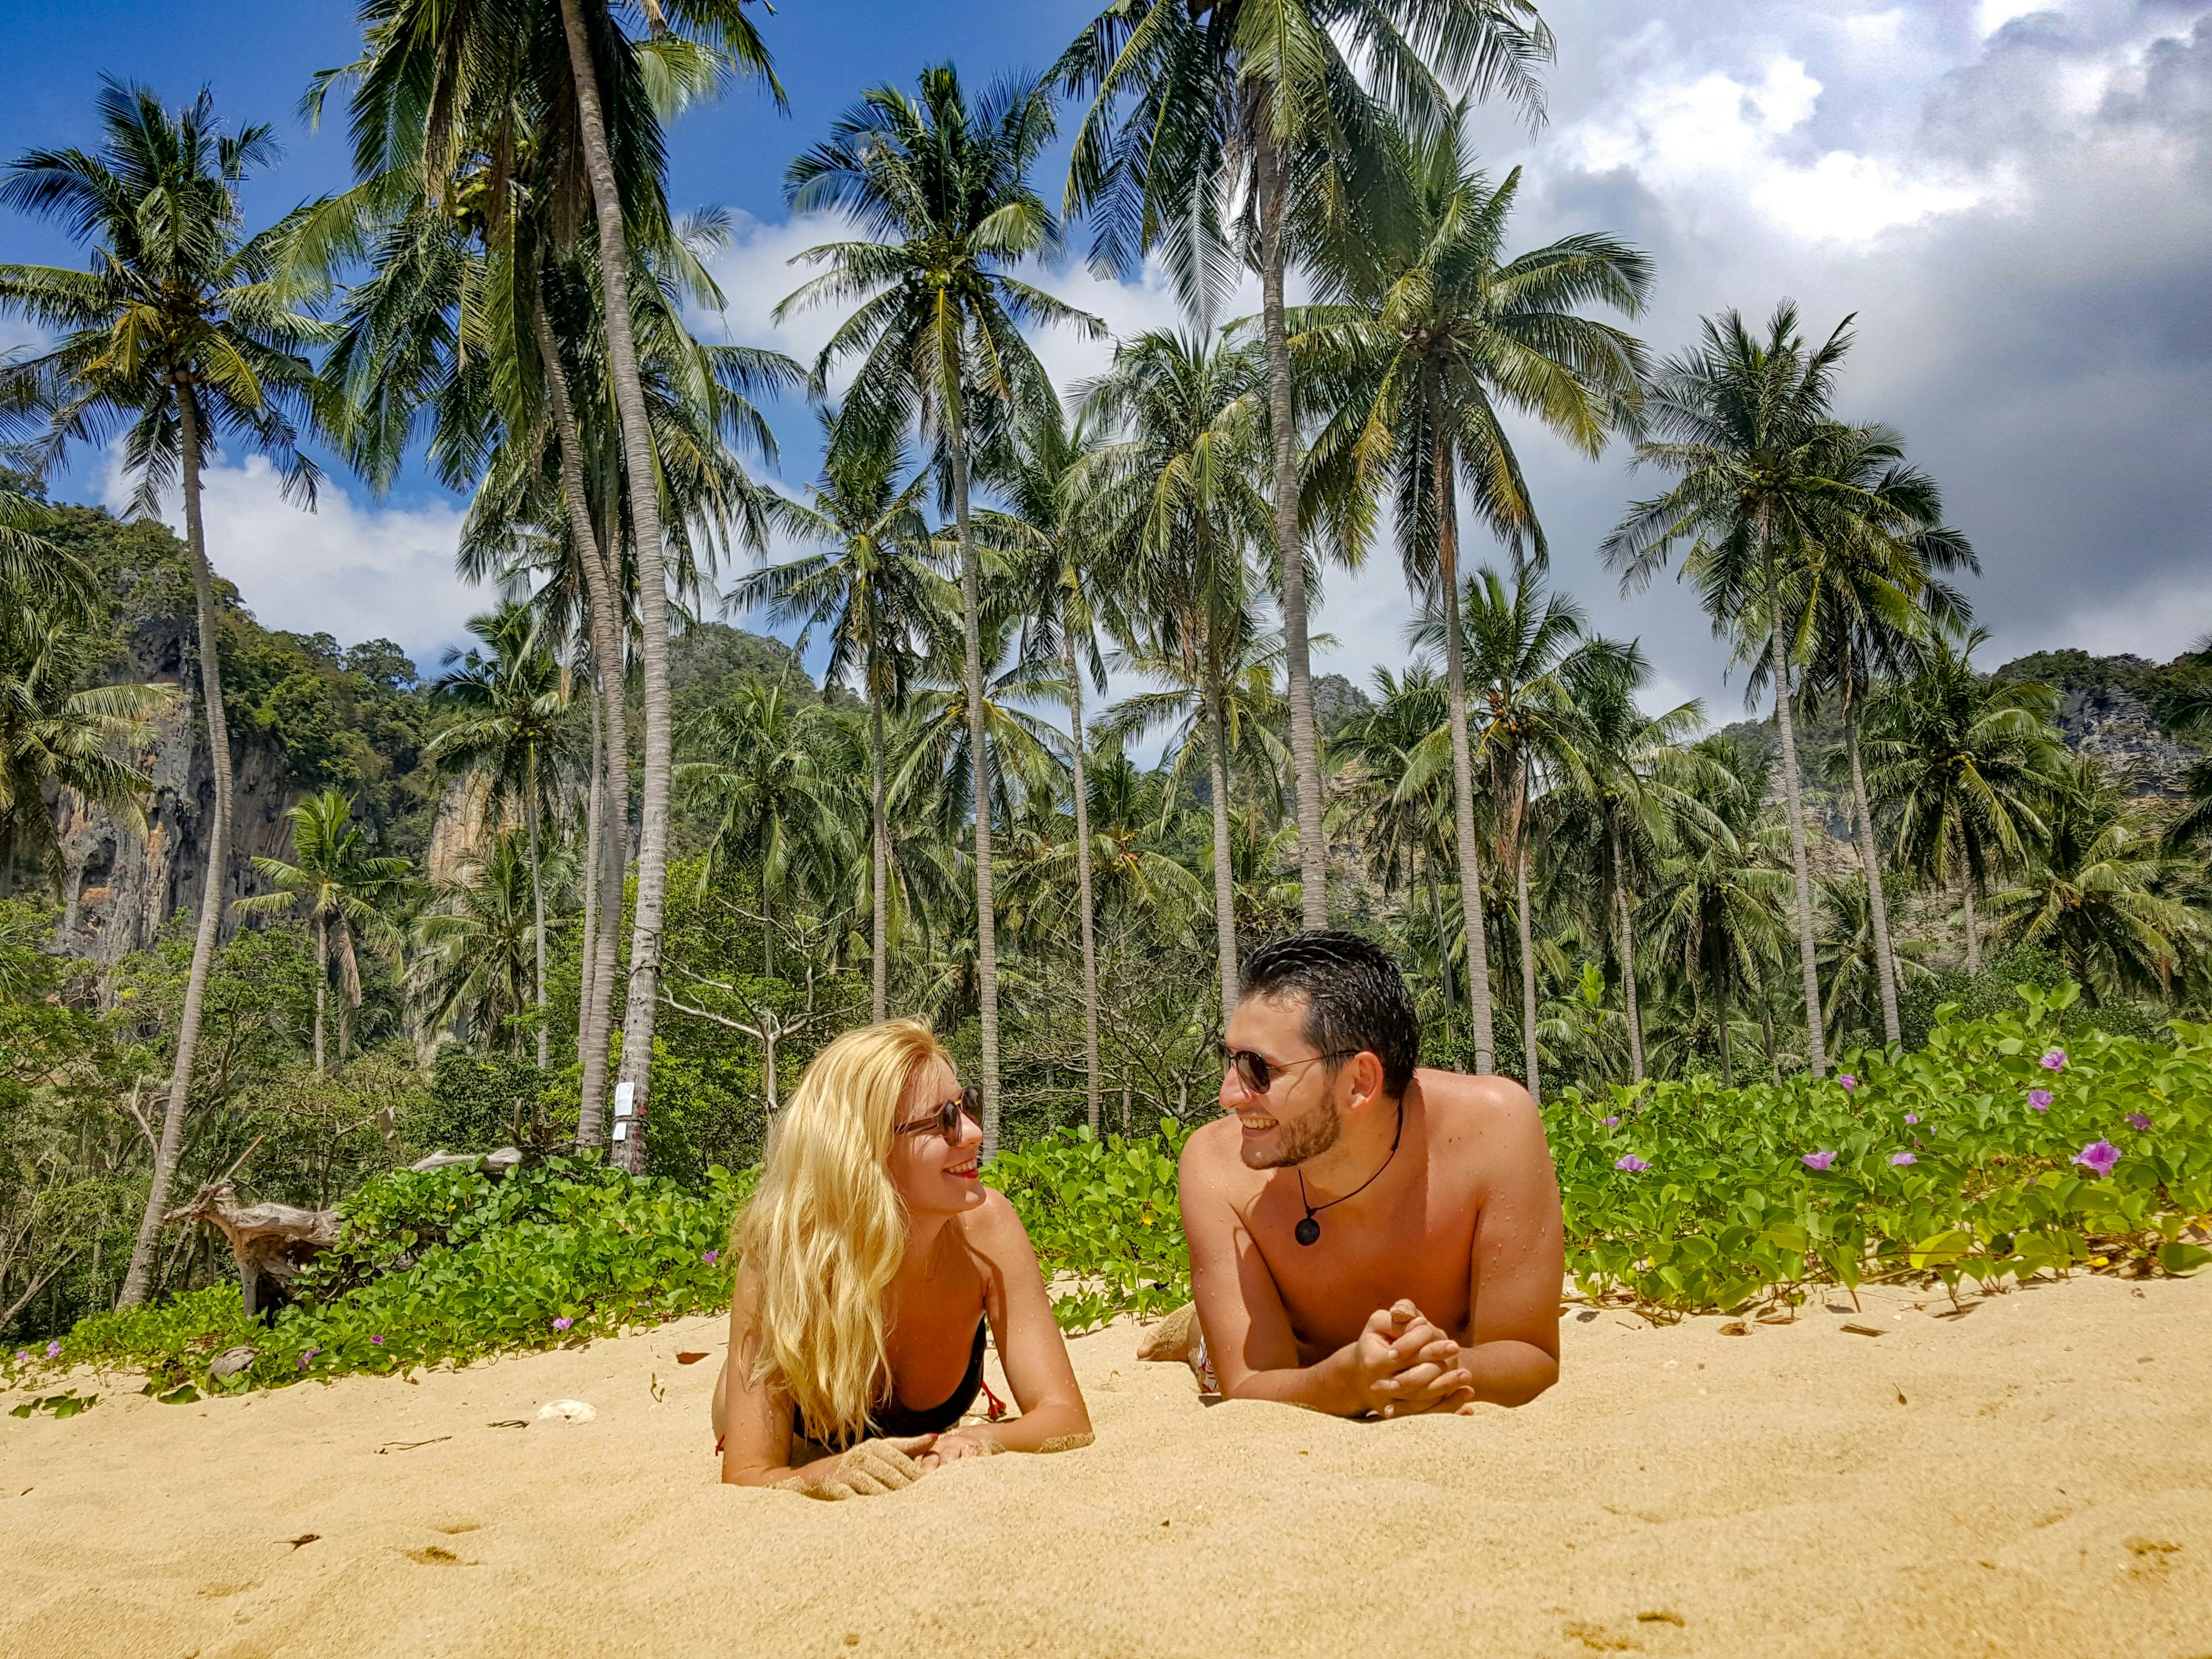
{"points": [[1453, 1209]]}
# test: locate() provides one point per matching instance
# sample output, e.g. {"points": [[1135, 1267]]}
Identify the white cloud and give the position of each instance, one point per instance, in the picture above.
{"points": [[353, 571], [1733, 141]]}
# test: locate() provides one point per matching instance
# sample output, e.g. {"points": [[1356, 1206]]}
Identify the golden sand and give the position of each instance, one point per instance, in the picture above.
{"points": [[2032, 1479]]}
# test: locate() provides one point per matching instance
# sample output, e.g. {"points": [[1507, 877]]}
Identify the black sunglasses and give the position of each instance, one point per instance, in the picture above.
{"points": [[1258, 1072], [946, 1119]]}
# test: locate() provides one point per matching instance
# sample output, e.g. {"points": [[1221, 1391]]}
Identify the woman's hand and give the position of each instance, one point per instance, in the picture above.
{"points": [[867, 1470], [957, 1443]]}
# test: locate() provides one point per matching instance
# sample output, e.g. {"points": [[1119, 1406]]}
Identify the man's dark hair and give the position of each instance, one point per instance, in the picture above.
{"points": [[1355, 997]]}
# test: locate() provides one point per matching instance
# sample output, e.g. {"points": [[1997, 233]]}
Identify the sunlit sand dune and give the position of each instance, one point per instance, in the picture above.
{"points": [[2034, 1478]]}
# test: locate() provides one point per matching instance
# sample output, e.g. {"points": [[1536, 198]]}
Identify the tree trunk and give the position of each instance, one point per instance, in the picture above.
{"points": [[1282, 422], [1530, 1064], [1877, 901], [879, 852], [644, 491], [1973, 933], [1728, 1019], [1470, 866], [1628, 959], [1443, 946], [1224, 886], [322, 985], [537, 905], [1816, 1048], [588, 953], [602, 591], [979, 770], [135, 1279], [1086, 922]]}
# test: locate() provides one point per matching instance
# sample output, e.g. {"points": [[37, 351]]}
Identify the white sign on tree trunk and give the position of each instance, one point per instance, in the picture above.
{"points": [[625, 1093]]}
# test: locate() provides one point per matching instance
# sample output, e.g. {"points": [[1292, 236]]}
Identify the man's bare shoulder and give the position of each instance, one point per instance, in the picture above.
{"points": [[1489, 1115], [1212, 1161]]}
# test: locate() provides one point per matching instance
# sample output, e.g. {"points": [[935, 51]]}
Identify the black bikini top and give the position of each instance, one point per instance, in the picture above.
{"points": [[890, 1421]]}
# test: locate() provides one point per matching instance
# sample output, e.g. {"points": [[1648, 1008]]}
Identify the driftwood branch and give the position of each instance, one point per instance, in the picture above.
{"points": [[268, 1242]]}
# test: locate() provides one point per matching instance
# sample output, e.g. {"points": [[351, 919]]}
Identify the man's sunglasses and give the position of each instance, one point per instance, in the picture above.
{"points": [[946, 1119], [1258, 1072]]}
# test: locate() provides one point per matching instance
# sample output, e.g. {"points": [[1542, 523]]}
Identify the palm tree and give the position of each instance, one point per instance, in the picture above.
{"points": [[1218, 699], [476, 945], [179, 335], [1764, 471], [1961, 765], [1059, 567], [1174, 496], [1196, 105], [766, 791], [1717, 907], [874, 591], [513, 733], [1426, 336], [1632, 784], [943, 193], [2098, 889], [1529, 657], [1862, 594], [341, 886]]}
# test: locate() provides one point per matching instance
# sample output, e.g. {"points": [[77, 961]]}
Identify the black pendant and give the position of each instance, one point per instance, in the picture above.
{"points": [[1307, 1232]]}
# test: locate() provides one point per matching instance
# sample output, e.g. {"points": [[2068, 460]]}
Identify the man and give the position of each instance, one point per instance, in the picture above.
{"points": [[1366, 1237]]}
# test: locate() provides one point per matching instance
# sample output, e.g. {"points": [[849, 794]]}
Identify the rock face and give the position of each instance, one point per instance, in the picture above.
{"points": [[120, 886], [2120, 729]]}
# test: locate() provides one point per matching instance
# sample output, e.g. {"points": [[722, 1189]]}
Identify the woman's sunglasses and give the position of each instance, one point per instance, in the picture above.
{"points": [[946, 1119], [1258, 1072]]}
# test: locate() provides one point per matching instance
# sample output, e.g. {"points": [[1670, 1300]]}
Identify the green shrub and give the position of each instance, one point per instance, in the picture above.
{"points": [[1103, 1217]]}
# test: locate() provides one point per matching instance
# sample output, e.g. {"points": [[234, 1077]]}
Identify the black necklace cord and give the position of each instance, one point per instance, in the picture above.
{"points": [[1307, 1231]]}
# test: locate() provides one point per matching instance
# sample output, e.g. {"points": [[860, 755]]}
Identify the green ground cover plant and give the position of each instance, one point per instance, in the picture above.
{"points": [[2007, 1147]]}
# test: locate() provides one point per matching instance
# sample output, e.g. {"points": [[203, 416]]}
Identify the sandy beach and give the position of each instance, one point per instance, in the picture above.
{"points": [[2034, 1478]]}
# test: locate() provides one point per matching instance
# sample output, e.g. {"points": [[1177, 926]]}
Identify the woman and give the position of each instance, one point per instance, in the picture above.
{"points": [[870, 1259]]}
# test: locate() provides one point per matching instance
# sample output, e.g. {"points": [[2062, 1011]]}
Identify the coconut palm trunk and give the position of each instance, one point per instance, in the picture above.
{"points": [[979, 772], [588, 954], [879, 843], [1531, 1067], [322, 983], [1086, 922], [603, 594], [136, 1279], [537, 907], [1870, 861], [1225, 885], [644, 493], [1462, 753], [1628, 959], [1816, 1048], [1282, 419], [1973, 932]]}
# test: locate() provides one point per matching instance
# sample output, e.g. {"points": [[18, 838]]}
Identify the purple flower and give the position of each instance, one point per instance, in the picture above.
{"points": [[563, 1324], [1913, 1117], [2098, 1157], [376, 1342], [1903, 1157], [710, 1257], [53, 1350], [1610, 1122], [1632, 1163], [22, 1356], [1819, 1160], [305, 1357], [2055, 1060], [2039, 1098], [1848, 1080], [2137, 1121]]}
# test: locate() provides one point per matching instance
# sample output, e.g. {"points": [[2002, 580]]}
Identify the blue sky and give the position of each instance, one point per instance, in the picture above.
{"points": [[2016, 202]]}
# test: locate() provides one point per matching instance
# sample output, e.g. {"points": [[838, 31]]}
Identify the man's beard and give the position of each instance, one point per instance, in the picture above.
{"points": [[1307, 1140]]}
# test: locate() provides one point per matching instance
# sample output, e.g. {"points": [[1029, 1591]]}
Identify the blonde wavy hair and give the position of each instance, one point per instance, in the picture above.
{"points": [[826, 1232]]}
